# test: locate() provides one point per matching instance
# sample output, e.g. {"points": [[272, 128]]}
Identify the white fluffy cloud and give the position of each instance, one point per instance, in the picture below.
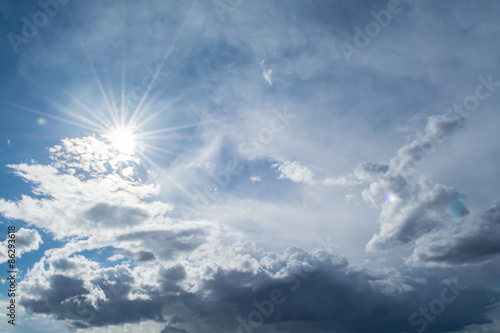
{"points": [[294, 171], [106, 200]]}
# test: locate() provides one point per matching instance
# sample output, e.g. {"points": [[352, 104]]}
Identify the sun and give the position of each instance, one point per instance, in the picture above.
{"points": [[122, 139]]}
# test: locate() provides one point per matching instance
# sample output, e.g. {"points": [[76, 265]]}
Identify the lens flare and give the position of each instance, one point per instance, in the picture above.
{"points": [[390, 197], [457, 208], [310, 201]]}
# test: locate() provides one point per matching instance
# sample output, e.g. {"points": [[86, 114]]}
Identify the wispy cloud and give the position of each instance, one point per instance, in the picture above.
{"points": [[266, 73], [255, 179]]}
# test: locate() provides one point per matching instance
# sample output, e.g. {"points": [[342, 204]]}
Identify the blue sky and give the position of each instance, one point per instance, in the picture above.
{"points": [[237, 166]]}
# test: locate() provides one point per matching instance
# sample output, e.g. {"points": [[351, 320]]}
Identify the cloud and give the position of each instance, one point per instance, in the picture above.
{"points": [[410, 206], [173, 330], [421, 206], [295, 172], [266, 73], [414, 209], [473, 240], [123, 260], [91, 156], [188, 297], [364, 172], [104, 214], [254, 179], [26, 240], [191, 276], [438, 129], [350, 196], [91, 181], [165, 244]]}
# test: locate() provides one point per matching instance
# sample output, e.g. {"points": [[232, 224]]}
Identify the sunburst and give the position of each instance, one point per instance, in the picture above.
{"points": [[122, 139]]}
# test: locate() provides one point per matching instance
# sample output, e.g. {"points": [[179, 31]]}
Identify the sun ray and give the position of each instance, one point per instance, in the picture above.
{"points": [[123, 116], [110, 109], [103, 122], [153, 147], [154, 115], [161, 172], [51, 116], [138, 110], [175, 128], [76, 116]]}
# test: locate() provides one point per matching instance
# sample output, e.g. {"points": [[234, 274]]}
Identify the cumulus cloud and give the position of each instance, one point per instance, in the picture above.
{"points": [[196, 295], [26, 240], [295, 172], [91, 156], [89, 184], [418, 206], [409, 210], [410, 206]]}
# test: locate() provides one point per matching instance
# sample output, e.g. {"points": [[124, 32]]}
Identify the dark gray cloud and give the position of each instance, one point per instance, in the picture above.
{"points": [[473, 240], [115, 215], [297, 292], [63, 264], [28, 239], [373, 167], [173, 330], [67, 299], [165, 244], [51, 300], [145, 256]]}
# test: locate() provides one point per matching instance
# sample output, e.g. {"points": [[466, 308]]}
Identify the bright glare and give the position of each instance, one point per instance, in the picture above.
{"points": [[122, 139]]}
